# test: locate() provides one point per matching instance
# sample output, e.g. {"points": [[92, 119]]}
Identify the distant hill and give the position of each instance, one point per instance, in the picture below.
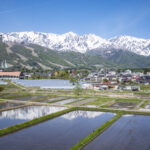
{"points": [[33, 56]]}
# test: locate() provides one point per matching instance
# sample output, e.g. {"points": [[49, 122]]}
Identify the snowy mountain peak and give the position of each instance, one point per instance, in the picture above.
{"points": [[132, 44], [70, 34], [80, 43]]}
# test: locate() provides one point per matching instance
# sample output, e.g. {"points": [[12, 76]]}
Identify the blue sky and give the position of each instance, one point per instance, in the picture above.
{"points": [[106, 18]]}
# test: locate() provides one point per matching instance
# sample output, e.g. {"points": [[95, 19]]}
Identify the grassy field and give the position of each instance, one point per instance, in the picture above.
{"points": [[128, 100], [145, 87], [103, 99], [100, 100]]}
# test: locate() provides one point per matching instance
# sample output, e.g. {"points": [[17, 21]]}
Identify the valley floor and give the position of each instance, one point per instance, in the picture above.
{"points": [[61, 102]]}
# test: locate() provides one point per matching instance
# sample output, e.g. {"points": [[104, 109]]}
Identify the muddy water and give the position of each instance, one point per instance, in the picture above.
{"points": [[60, 133], [130, 132], [12, 117]]}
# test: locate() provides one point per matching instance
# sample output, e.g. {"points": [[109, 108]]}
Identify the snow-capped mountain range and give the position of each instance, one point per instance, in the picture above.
{"points": [[80, 43]]}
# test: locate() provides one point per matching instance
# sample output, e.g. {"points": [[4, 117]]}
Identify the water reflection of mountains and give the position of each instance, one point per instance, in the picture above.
{"points": [[84, 114], [30, 112]]}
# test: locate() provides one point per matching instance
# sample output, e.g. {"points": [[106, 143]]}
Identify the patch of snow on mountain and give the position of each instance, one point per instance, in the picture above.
{"points": [[73, 42]]}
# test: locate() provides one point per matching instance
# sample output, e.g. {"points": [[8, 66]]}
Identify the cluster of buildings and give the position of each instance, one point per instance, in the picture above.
{"points": [[112, 80], [4, 74], [100, 80]]}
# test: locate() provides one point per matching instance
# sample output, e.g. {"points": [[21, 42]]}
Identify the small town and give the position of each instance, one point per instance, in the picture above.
{"points": [[96, 80]]}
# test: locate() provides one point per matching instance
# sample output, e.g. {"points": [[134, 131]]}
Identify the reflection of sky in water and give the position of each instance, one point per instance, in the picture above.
{"points": [[30, 112], [130, 132], [3, 82], [56, 134], [127, 115], [84, 114], [5, 105], [147, 106], [51, 83]]}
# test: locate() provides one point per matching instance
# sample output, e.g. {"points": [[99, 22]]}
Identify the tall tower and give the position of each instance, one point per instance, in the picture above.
{"points": [[2, 66], [1, 38]]}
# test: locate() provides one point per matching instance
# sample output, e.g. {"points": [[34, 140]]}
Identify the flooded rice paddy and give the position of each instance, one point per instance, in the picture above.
{"points": [[147, 106], [7, 95], [124, 105], [5, 105], [60, 133], [63, 102], [25, 98], [54, 99], [130, 132], [15, 116]]}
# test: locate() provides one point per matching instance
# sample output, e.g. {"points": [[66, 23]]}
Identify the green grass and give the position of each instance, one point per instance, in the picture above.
{"points": [[33, 122], [142, 93], [17, 85], [145, 87], [114, 111], [100, 100], [128, 100], [122, 100], [95, 133], [145, 103], [17, 95]]}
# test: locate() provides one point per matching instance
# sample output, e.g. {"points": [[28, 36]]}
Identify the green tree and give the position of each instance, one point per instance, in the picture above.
{"points": [[77, 89], [73, 80], [105, 80]]}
